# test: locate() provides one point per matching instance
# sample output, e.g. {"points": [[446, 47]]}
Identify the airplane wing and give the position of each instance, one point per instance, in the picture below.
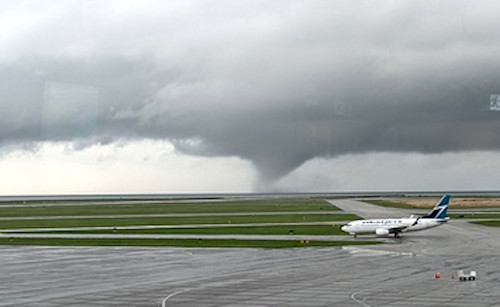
{"points": [[384, 231], [397, 229], [402, 228]]}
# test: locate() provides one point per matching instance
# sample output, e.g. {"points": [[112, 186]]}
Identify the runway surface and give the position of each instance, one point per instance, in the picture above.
{"points": [[11, 232], [400, 273]]}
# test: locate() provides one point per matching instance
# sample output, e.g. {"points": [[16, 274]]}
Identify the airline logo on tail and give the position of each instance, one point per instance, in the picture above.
{"points": [[440, 210]]}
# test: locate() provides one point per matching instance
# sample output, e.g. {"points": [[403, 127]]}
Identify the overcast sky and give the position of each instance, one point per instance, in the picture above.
{"points": [[248, 96]]}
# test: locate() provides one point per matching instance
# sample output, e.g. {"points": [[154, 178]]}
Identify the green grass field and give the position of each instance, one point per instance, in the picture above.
{"points": [[136, 221], [272, 205], [474, 216], [488, 223], [284, 212], [255, 230]]}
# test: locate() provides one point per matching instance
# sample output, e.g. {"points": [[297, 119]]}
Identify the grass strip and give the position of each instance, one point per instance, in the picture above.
{"points": [[474, 216], [269, 205], [178, 242], [243, 219], [244, 230], [488, 223]]}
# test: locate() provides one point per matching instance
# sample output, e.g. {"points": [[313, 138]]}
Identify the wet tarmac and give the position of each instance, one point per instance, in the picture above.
{"points": [[400, 273]]}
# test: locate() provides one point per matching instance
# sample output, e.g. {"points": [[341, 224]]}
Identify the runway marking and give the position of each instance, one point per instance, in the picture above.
{"points": [[365, 252], [353, 297], [164, 301], [211, 284]]}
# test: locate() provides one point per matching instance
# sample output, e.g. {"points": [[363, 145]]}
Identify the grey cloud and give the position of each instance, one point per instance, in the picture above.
{"points": [[278, 84]]}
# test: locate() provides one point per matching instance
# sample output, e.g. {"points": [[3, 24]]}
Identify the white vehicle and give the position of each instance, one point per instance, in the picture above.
{"points": [[385, 227], [464, 276]]}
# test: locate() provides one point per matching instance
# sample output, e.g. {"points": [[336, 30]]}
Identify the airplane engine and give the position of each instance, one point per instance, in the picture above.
{"points": [[381, 232]]}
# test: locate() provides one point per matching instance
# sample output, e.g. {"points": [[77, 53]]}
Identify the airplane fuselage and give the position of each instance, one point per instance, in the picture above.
{"points": [[402, 224], [384, 227]]}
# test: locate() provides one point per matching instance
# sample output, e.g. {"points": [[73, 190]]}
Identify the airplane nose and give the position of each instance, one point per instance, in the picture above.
{"points": [[344, 228]]}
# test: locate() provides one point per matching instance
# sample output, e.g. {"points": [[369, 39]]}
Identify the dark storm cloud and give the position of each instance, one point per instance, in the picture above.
{"points": [[277, 84]]}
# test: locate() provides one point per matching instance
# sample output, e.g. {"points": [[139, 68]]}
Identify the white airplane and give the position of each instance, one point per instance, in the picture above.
{"points": [[384, 227]]}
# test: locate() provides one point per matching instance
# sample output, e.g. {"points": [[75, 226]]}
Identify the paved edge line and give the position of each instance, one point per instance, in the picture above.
{"points": [[353, 297], [164, 301]]}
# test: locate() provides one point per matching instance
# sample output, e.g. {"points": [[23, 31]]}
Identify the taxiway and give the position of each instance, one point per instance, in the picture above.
{"points": [[400, 273]]}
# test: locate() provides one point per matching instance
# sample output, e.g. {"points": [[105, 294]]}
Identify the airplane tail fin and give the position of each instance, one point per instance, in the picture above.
{"points": [[440, 210]]}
